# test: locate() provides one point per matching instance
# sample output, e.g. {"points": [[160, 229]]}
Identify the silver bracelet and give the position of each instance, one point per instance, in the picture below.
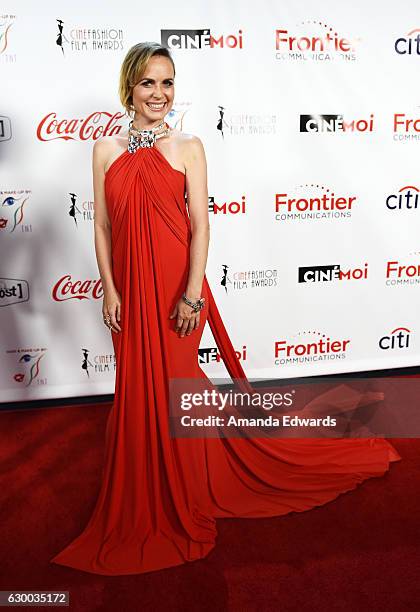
{"points": [[196, 306]]}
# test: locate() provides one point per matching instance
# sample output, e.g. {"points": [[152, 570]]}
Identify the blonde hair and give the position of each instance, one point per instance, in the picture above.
{"points": [[133, 68]]}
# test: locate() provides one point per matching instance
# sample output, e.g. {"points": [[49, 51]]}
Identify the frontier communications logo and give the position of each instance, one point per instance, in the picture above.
{"points": [[316, 41]]}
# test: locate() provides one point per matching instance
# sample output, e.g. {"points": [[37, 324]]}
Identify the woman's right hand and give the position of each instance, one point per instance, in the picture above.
{"points": [[111, 310]]}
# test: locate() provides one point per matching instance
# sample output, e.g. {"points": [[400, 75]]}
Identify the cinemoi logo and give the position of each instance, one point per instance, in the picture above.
{"points": [[227, 208], [13, 291], [200, 39], [323, 205], [407, 198], [408, 44], [333, 272], [309, 346], [335, 123], [94, 126], [399, 338], [67, 289], [208, 355]]}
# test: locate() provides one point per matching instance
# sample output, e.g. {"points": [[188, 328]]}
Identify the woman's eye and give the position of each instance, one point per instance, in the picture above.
{"points": [[147, 83], [9, 201]]}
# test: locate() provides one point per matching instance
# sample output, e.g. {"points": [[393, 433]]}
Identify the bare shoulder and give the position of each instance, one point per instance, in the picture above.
{"points": [[188, 140], [191, 145], [106, 148]]}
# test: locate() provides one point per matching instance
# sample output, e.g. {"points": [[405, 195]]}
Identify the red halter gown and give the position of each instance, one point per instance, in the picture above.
{"points": [[160, 496]]}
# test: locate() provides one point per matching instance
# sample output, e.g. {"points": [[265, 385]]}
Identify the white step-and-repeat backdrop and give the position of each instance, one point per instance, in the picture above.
{"points": [[310, 117]]}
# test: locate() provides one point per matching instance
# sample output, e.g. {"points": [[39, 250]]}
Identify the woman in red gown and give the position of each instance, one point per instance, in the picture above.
{"points": [[160, 496]]}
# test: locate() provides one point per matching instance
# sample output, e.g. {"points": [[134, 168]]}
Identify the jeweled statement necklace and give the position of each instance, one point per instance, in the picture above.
{"points": [[145, 138]]}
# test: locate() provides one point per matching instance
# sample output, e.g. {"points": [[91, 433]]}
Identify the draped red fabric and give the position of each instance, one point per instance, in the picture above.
{"points": [[160, 496]]}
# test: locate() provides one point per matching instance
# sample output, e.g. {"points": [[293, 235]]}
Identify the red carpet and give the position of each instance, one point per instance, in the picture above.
{"points": [[359, 552]]}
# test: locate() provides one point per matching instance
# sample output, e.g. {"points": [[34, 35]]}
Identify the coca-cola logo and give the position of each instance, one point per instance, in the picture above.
{"points": [[94, 126], [68, 289]]}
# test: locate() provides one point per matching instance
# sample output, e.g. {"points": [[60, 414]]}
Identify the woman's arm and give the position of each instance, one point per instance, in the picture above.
{"points": [[197, 199], [112, 302]]}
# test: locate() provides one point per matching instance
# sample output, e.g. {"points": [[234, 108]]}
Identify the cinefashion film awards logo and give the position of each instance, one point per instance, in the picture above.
{"points": [[238, 124], [97, 364], [248, 279], [88, 38], [80, 211]]}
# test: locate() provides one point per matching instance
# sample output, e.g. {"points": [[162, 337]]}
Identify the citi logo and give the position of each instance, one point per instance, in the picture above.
{"points": [[399, 338], [407, 198], [408, 44]]}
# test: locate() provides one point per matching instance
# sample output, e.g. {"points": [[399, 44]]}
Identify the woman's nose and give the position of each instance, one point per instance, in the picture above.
{"points": [[157, 92]]}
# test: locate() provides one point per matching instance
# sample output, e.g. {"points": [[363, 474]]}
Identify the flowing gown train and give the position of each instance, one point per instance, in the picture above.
{"points": [[160, 496]]}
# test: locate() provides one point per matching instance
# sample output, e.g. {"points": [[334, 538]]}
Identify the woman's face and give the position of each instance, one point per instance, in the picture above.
{"points": [[154, 94]]}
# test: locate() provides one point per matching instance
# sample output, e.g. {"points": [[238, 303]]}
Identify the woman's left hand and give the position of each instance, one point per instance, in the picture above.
{"points": [[186, 319]]}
